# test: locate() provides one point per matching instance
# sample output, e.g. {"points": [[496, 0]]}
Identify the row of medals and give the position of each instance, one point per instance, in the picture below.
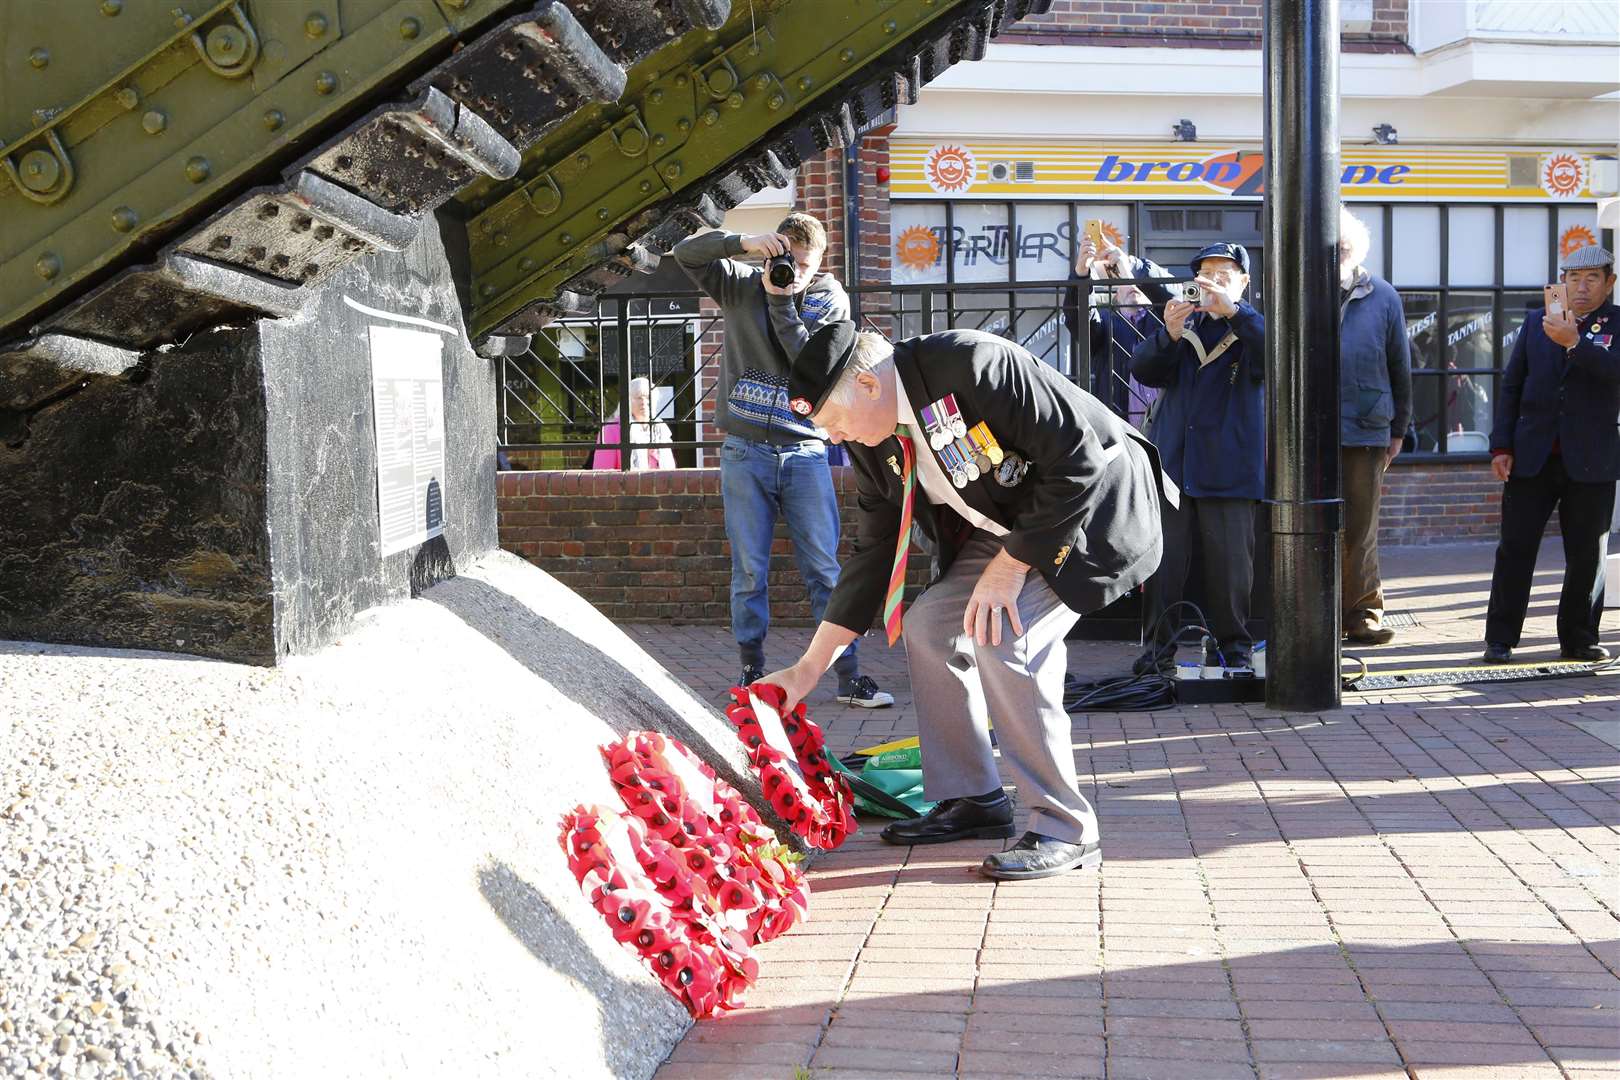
{"points": [[967, 453]]}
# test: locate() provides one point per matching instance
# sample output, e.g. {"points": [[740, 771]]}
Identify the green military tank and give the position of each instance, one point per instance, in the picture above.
{"points": [[171, 165]]}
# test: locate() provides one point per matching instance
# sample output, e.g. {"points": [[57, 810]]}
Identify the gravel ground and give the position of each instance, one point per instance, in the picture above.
{"points": [[347, 866]]}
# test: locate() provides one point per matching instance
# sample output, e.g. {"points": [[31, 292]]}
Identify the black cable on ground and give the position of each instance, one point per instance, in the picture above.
{"points": [[1148, 692]]}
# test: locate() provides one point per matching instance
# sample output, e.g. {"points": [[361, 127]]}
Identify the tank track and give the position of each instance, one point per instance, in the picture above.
{"points": [[368, 187]]}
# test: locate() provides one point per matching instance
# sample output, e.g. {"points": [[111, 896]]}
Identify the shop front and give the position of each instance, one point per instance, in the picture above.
{"points": [[1468, 236]]}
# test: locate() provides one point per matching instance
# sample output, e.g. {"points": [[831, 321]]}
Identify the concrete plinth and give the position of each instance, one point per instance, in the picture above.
{"points": [[220, 497]]}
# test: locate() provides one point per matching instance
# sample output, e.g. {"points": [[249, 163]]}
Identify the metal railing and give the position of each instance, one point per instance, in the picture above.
{"points": [[560, 401]]}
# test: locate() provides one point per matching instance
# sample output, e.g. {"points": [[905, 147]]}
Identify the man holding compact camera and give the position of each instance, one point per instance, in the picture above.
{"points": [[1209, 425], [773, 462], [1555, 444]]}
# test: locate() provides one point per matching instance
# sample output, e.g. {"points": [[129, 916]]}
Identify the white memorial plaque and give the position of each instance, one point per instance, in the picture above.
{"points": [[407, 393]]}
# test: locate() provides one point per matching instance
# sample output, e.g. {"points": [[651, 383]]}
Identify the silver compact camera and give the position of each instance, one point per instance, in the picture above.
{"points": [[1192, 292]]}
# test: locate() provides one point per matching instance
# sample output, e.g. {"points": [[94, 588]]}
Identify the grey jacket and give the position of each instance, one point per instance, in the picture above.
{"points": [[753, 399], [1375, 364]]}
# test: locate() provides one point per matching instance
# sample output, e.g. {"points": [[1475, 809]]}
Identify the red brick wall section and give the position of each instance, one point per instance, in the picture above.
{"points": [[1185, 23], [651, 546], [1441, 503]]}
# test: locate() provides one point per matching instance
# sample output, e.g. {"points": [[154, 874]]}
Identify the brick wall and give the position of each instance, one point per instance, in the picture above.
{"points": [[1440, 503], [1187, 24], [651, 546]]}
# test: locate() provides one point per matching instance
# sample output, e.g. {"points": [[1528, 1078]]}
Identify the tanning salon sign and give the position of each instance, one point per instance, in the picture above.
{"points": [[984, 170]]}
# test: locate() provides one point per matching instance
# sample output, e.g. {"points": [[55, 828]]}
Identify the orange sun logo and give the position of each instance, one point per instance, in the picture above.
{"points": [[950, 169], [917, 248], [1563, 175], [1574, 238]]}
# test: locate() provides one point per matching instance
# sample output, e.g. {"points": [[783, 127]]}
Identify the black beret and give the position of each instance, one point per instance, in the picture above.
{"points": [[816, 369]]}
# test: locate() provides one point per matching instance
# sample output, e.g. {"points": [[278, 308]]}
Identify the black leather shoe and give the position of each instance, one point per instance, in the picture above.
{"points": [[1588, 653], [955, 819], [1497, 653], [1037, 856]]}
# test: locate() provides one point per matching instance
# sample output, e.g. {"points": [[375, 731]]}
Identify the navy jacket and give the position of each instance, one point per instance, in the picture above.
{"points": [[1084, 515], [1375, 365], [1210, 422], [1571, 398]]}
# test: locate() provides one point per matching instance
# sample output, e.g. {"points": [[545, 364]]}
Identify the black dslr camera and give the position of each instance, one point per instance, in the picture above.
{"points": [[781, 269]]}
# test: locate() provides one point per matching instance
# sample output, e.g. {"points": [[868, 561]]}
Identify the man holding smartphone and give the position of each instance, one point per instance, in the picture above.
{"points": [[1555, 445], [1115, 330], [1209, 425]]}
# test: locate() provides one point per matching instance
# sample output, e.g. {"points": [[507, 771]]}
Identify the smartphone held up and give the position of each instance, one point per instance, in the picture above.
{"points": [[1557, 297]]}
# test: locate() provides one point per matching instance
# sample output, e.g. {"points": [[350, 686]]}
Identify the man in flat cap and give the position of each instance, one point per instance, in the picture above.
{"points": [[1039, 505], [1555, 444], [1209, 360]]}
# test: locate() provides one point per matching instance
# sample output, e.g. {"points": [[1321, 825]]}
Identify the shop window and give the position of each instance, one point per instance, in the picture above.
{"points": [[1470, 357], [1426, 418], [1515, 305], [1045, 249], [1166, 220], [1116, 219], [1417, 245], [1471, 245], [919, 243], [979, 246], [1524, 245], [1372, 217], [1422, 328], [1577, 227], [1199, 220]]}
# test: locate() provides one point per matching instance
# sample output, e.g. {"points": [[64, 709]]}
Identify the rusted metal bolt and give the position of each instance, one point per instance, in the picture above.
{"points": [[154, 122]]}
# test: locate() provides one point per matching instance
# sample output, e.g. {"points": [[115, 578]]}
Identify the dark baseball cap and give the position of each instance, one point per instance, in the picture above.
{"points": [[1236, 252], [816, 369]]}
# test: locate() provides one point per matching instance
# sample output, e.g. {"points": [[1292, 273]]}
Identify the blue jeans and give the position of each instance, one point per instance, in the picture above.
{"points": [[758, 483]]}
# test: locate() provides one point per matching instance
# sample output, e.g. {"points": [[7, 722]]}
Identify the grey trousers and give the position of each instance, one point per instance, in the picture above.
{"points": [[961, 687]]}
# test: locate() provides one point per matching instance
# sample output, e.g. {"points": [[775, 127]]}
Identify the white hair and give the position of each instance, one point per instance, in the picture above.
{"points": [[1354, 233], [873, 353], [641, 385]]}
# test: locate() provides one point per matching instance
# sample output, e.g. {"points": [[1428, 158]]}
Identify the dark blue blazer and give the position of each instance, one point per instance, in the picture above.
{"points": [[1210, 422], [1570, 398]]}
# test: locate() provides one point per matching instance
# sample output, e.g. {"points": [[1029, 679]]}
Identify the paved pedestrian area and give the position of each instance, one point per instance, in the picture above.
{"points": [[1422, 884]]}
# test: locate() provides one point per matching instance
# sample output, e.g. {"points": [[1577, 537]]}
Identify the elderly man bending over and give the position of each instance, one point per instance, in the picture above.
{"points": [[1040, 505]]}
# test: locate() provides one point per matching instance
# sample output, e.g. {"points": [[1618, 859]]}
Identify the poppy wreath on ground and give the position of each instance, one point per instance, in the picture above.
{"points": [[803, 788], [655, 912], [733, 858]]}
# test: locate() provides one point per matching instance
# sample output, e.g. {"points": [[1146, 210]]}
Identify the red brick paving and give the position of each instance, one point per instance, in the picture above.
{"points": [[1420, 885]]}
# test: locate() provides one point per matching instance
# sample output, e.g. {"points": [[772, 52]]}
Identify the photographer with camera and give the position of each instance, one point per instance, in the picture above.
{"points": [[774, 462], [1209, 425]]}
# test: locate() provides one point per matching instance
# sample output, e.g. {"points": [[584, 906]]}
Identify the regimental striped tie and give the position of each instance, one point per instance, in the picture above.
{"points": [[897, 579]]}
